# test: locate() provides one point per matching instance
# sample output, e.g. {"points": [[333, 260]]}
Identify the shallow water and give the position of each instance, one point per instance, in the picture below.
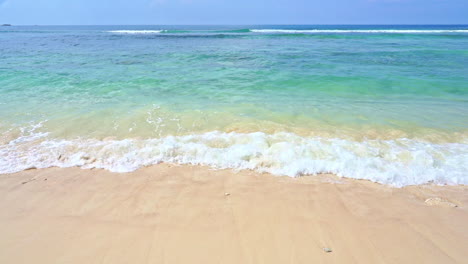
{"points": [[387, 104]]}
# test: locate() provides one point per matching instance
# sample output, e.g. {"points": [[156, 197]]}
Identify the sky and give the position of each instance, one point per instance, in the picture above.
{"points": [[232, 12]]}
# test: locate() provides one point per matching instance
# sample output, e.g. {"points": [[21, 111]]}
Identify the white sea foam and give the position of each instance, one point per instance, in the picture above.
{"points": [[395, 162], [316, 31], [135, 31], [397, 31]]}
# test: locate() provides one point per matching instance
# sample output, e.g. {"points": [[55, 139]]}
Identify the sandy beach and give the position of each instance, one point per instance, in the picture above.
{"points": [[189, 214]]}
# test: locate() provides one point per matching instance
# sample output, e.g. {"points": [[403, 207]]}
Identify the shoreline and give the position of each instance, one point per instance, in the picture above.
{"points": [[398, 162], [192, 214], [319, 177]]}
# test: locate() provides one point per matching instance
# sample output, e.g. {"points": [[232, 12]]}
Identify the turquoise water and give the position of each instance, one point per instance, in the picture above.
{"points": [[385, 103]]}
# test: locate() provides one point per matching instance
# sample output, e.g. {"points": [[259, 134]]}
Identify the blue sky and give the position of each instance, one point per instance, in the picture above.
{"points": [[103, 12]]}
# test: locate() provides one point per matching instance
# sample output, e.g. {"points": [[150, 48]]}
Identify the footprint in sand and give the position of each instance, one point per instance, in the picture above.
{"points": [[437, 201]]}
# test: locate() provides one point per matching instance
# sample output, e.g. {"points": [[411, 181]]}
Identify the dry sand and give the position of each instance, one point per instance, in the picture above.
{"points": [[186, 214]]}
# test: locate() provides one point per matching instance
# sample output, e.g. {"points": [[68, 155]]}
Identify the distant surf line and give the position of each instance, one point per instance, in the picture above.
{"points": [[297, 31]]}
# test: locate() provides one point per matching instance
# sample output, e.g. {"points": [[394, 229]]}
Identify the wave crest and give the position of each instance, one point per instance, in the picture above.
{"points": [[135, 31], [398, 31], [292, 31]]}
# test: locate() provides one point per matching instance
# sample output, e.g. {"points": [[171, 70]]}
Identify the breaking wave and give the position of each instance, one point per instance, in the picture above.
{"points": [[135, 31], [396, 162], [386, 31], [294, 31]]}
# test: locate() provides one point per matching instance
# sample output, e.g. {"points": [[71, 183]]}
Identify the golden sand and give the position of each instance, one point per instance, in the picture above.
{"points": [[187, 214]]}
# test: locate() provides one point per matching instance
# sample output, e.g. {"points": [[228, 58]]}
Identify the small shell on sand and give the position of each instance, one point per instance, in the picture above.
{"points": [[328, 250], [227, 194], [437, 201]]}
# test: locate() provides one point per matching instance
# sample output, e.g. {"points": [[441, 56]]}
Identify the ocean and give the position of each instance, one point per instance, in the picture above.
{"points": [[383, 103]]}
